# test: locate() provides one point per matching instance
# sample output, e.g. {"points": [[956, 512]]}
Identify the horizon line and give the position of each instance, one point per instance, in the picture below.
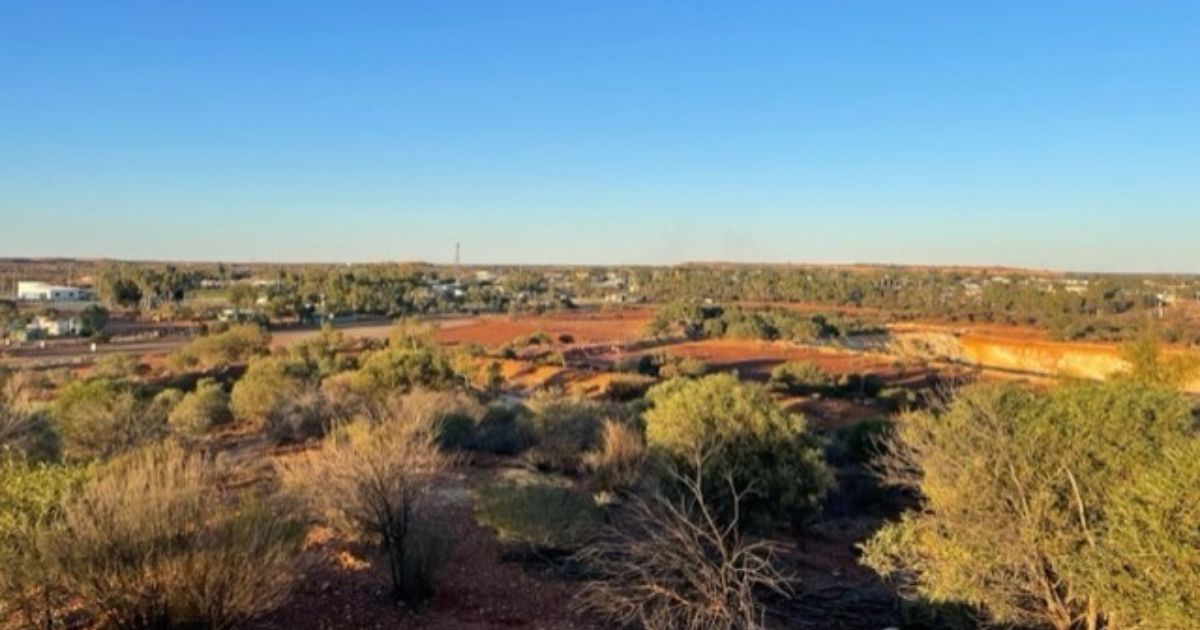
{"points": [[944, 267]]}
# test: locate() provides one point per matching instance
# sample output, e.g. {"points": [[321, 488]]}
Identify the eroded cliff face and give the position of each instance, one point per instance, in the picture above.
{"points": [[1019, 353]]}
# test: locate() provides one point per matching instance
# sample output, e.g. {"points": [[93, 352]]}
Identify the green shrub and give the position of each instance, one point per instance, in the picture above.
{"points": [[93, 319], [269, 383], [626, 387], [854, 383], [115, 366], [539, 515], [401, 369], [532, 339], [865, 440], [27, 435], [800, 377], [563, 431], [201, 410], [1094, 486], [502, 430], [640, 364], [102, 417], [455, 431], [687, 366], [30, 496], [732, 429], [325, 353], [748, 325], [898, 399], [235, 345], [713, 328]]}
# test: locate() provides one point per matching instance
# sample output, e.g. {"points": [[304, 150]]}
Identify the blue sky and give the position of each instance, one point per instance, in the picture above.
{"points": [[1046, 134]]}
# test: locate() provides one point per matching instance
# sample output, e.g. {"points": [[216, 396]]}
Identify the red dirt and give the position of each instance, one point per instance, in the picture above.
{"points": [[477, 587], [593, 327], [757, 358]]}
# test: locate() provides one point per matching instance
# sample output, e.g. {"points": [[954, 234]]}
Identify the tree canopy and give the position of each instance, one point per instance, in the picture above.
{"points": [[1070, 508]]}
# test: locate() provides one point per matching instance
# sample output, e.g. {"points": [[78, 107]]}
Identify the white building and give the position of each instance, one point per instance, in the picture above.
{"points": [[44, 326], [27, 290]]}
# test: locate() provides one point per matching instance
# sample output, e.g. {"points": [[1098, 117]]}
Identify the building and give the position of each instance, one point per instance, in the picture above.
{"points": [[41, 291], [43, 326]]}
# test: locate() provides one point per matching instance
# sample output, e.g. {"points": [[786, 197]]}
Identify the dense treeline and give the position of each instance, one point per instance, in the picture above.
{"points": [[300, 292], [696, 321], [1097, 307], [1101, 307]]}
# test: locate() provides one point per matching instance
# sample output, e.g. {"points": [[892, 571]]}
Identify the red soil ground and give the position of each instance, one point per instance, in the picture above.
{"points": [[757, 358], [591, 327], [478, 586]]}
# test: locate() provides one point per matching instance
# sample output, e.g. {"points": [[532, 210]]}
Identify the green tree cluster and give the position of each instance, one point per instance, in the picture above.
{"points": [[1074, 508], [729, 429]]}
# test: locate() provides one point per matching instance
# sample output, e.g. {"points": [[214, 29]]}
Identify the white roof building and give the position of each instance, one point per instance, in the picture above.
{"points": [[56, 326], [32, 290]]}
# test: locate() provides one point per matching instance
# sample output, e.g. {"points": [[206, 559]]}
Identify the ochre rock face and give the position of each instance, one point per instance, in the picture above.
{"points": [[1023, 354]]}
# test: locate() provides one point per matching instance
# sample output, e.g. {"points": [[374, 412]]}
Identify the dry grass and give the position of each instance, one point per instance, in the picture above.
{"points": [[370, 481], [618, 463], [145, 544]]}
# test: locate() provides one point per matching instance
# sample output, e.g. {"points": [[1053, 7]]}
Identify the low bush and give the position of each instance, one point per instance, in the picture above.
{"points": [[326, 353], [201, 410], [371, 481], [144, 544], [299, 418], [533, 339], [455, 431], [503, 430], [539, 515], [855, 384], [27, 435], [426, 550], [687, 366], [898, 399], [270, 383], [427, 408], [864, 441], [563, 430], [642, 364], [800, 377], [723, 427], [404, 368], [103, 417], [115, 366], [237, 344], [618, 463]]}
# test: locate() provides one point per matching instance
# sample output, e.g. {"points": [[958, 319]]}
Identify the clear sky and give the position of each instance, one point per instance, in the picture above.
{"points": [[1047, 134]]}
